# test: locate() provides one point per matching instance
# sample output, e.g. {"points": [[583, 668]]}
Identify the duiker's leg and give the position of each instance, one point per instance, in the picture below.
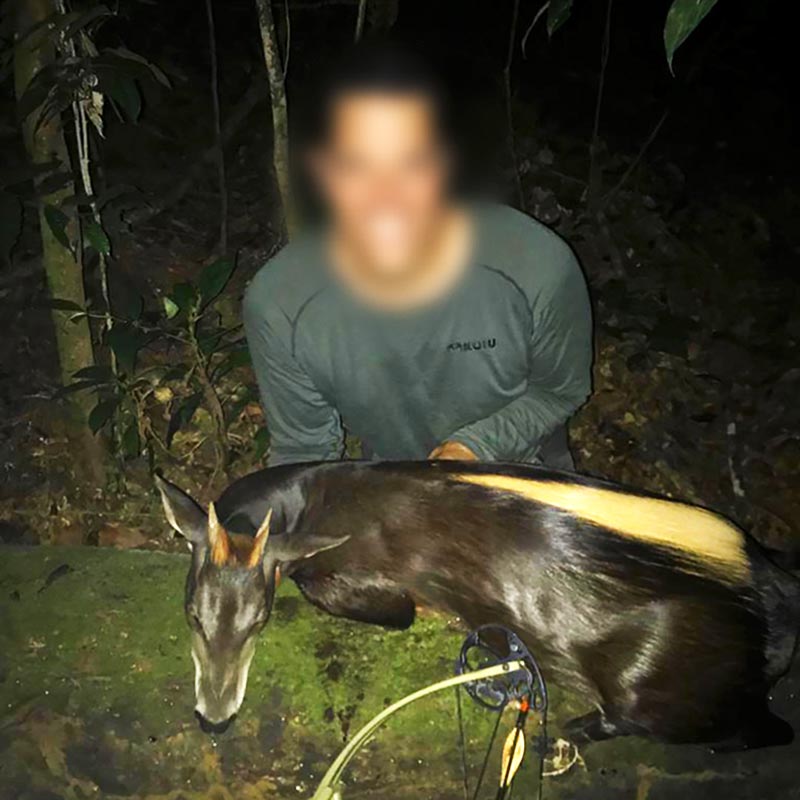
{"points": [[356, 598], [593, 727]]}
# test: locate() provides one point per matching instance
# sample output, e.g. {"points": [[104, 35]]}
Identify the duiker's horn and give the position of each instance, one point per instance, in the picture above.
{"points": [[257, 553], [218, 540]]}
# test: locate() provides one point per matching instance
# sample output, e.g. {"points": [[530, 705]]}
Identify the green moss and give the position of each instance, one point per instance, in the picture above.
{"points": [[107, 632], [96, 698], [98, 636]]}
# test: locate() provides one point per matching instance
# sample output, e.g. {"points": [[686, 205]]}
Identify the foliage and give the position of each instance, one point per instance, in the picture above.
{"points": [[682, 19], [80, 82], [79, 74], [10, 224], [113, 72], [558, 12], [191, 351]]}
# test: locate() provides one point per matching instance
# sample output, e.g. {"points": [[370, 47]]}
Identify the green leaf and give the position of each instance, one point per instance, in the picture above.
{"points": [[57, 221], [210, 341], [96, 372], [131, 443], [102, 413], [184, 295], [238, 358], [234, 409], [85, 19], [182, 415], [171, 308], [53, 183], [123, 52], [53, 26], [122, 89], [558, 12], [261, 443], [213, 279], [10, 224], [35, 94], [175, 373], [77, 386], [97, 237], [118, 72], [52, 22], [58, 304], [683, 17], [233, 360], [126, 341]]}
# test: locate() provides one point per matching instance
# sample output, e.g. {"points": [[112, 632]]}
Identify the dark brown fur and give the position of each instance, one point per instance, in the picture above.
{"points": [[657, 643]]}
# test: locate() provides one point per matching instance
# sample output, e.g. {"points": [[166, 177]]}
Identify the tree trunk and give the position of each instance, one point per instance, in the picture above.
{"points": [[280, 115], [62, 265]]}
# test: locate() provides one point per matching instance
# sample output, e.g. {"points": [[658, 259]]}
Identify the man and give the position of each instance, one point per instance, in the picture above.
{"points": [[425, 326]]}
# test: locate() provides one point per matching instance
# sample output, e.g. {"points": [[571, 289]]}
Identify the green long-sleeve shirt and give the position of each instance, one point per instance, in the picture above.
{"points": [[498, 364]]}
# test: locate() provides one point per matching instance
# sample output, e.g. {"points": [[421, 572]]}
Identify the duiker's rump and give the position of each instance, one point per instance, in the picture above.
{"points": [[666, 617]]}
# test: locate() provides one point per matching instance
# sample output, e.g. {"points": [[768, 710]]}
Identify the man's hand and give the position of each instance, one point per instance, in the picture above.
{"points": [[452, 451]]}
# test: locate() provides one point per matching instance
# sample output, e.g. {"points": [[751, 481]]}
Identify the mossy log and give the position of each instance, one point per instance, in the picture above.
{"points": [[96, 692]]}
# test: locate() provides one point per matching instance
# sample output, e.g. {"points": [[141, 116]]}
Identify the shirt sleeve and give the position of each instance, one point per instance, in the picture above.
{"points": [[559, 373], [303, 426]]}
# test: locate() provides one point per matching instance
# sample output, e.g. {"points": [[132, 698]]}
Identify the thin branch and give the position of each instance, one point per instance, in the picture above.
{"points": [[212, 401], [636, 161], [538, 16], [220, 153], [288, 46], [512, 147], [257, 92], [362, 13], [604, 54], [592, 194]]}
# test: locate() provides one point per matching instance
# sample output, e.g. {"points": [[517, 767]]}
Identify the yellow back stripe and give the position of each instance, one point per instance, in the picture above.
{"points": [[709, 538]]}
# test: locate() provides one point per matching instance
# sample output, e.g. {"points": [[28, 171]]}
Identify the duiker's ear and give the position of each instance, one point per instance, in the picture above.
{"points": [[297, 547], [183, 513], [260, 541]]}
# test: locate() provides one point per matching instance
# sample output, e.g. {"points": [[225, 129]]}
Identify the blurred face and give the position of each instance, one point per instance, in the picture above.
{"points": [[383, 172]]}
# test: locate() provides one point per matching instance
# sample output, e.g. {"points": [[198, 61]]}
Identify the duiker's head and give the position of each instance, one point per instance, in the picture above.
{"points": [[229, 594]]}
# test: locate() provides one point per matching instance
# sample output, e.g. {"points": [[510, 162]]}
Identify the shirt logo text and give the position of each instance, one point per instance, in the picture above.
{"points": [[476, 344]]}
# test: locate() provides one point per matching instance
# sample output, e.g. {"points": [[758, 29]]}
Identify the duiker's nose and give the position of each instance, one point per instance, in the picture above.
{"points": [[213, 727]]}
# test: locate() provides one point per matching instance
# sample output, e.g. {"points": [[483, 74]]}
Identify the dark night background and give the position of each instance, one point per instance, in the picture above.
{"points": [[692, 260]]}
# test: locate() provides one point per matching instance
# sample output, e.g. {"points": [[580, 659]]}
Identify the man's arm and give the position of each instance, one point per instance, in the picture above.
{"points": [[301, 424], [559, 376]]}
